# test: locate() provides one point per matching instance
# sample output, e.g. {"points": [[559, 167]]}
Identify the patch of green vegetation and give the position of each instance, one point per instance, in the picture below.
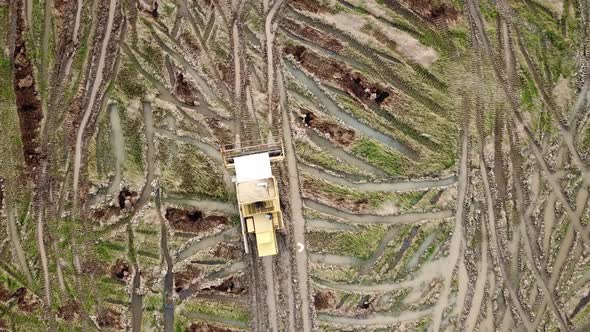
{"points": [[152, 55], [190, 172], [424, 324], [390, 162], [26, 321], [433, 142], [405, 200], [10, 141], [549, 48], [134, 141], [112, 289], [215, 309], [128, 81], [393, 247], [152, 302], [324, 159], [356, 244], [336, 273]]}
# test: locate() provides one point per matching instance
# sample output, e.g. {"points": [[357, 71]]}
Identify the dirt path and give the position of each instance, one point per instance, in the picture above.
{"points": [[118, 145], [45, 43], [269, 31], [136, 306], [325, 224], [398, 186], [43, 255], [237, 74], [480, 285], [463, 281], [168, 289], [375, 319], [491, 219], [405, 218], [420, 251], [15, 240], [75, 39], [284, 286], [296, 208], [148, 188], [335, 259], [270, 293], [456, 239], [205, 205], [94, 90], [548, 221]]}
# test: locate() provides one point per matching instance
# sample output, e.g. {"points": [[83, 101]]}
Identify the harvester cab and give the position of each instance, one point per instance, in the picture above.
{"points": [[257, 192]]}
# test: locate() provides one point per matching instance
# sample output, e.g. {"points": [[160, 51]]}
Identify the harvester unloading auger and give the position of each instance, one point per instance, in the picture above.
{"points": [[257, 192]]}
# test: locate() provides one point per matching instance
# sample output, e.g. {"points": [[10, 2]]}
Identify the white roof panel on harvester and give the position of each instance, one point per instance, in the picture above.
{"points": [[252, 167]]}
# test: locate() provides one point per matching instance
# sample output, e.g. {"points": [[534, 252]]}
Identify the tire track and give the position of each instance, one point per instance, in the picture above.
{"points": [[480, 285], [296, 203], [94, 91], [456, 239], [397, 186], [405, 218]]}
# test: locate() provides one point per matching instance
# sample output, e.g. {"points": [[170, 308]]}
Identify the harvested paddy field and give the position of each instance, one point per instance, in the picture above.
{"points": [[430, 161]]}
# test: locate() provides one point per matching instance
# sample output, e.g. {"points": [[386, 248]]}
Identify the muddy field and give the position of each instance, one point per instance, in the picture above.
{"points": [[435, 174]]}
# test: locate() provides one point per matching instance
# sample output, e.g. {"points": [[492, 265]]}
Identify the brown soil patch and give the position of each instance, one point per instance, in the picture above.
{"points": [[28, 104], [3, 325], [314, 35], [121, 271], [205, 327], [94, 267], [1, 194], [26, 300], [184, 90], [221, 133], [438, 12], [105, 213], [193, 220], [5, 294], [312, 6], [127, 198], [70, 311], [227, 72], [324, 300], [110, 318], [232, 285], [228, 251], [341, 75], [193, 46], [311, 189], [187, 278], [341, 135]]}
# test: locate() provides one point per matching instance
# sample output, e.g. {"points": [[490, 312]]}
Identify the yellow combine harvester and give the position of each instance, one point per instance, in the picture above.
{"points": [[257, 193]]}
